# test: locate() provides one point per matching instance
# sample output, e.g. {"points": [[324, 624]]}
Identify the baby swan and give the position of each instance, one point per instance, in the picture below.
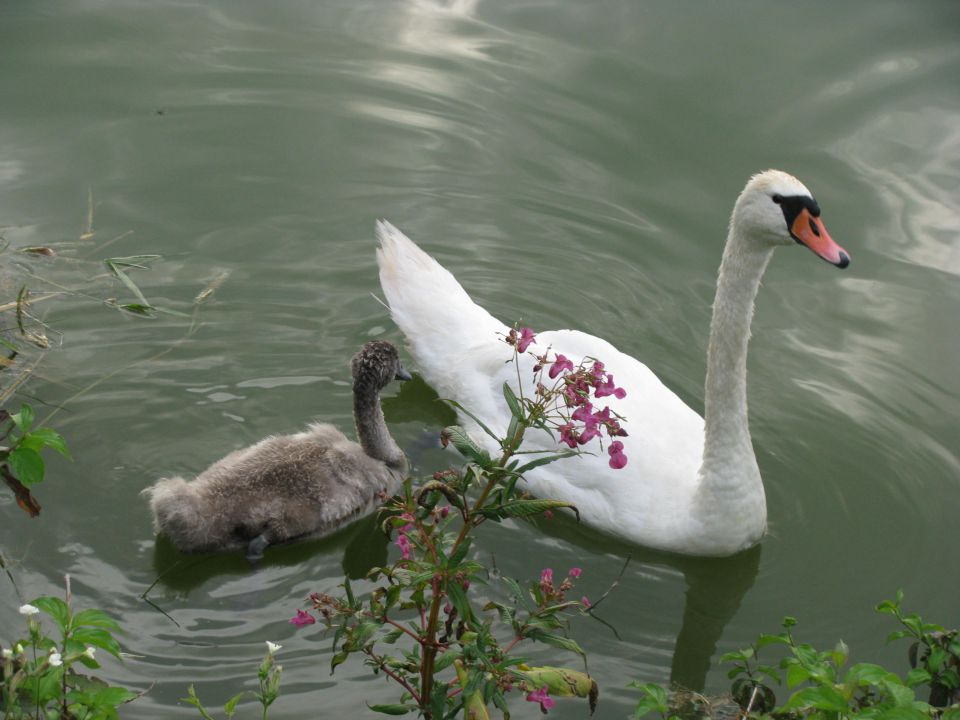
{"points": [[291, 486]]}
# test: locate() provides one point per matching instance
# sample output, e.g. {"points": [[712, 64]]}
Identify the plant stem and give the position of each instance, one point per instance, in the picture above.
{"points": [[430, 643]]}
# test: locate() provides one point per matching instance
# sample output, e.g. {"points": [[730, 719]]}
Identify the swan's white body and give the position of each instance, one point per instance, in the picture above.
{"points": [[690, 486]]}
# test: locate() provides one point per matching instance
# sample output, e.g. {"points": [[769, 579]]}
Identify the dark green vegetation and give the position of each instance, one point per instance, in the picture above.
{"points": [[820, 685]]}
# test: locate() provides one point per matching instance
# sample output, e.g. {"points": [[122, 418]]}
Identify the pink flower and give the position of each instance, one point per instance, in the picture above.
{"points": [[403, 542], [585, 601], [584, 414], [546, 576], [559, 365], [575, 572], [617, 459], [302, 618], [541, 696], [527, 338], [588, 434], [608, 388], [569, 435]]}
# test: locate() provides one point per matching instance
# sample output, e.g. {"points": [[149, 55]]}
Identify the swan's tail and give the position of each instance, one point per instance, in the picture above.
{"points": [[177, 513], [443, 326]]}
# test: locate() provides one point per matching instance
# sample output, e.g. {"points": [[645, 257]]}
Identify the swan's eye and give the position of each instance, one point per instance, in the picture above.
{"points": [[778, 198]]}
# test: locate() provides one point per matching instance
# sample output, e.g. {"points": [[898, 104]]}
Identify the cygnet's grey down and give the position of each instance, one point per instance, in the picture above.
{"points": [[287, 487]]}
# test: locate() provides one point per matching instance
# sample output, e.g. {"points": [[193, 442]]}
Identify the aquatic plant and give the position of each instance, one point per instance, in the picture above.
{"points": [[21, 464], [39, 676], [822, 690], [268, 675]]}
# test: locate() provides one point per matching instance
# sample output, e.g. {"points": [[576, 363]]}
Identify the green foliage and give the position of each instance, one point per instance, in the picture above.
{"points": [[268, 675], [40, 675], [824, 688], [22, 457]]}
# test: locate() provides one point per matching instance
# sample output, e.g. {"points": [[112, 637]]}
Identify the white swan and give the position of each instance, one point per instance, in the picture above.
{"points": [[288, 487], [691, 485]]}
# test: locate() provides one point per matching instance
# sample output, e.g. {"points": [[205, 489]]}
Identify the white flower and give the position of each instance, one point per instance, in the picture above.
{"points": [[7, 653], [55, 659], [29, 610], [90, 652], [273, 647]]}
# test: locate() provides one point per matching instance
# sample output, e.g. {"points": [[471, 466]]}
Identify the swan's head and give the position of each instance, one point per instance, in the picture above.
{"points": [[376, 365], [776, 208]]}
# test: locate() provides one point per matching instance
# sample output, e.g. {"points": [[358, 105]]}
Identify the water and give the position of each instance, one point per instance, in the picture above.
{"points": [[573, 164]]}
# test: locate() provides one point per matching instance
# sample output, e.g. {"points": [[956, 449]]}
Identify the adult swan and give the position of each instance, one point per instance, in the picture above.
{"points": [[692, 485]]}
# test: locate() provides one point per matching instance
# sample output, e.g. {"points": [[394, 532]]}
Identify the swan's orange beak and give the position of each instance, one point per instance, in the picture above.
{"points": [[810, 231]]}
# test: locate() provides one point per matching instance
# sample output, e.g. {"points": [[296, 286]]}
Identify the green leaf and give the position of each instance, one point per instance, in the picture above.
{"points": [[446, 660], [546, 460], [27, 465], [393, 709], [654, 699], [936, 658], [192, 699], [863, 674], [94, 618], [23, 419], [230, 708], [901, 694], [55, 608], [822, 697], [362, 634], [766, 640], [138, 308], [112, 696], [338, 659], [513, 403], [770, 672], [98, 638], [797, 674], [556, 640], [459, 599], [737, 655], [465, 444], [918, 676], [906, 713], [458, 555], [519, 594], [526, 508]]}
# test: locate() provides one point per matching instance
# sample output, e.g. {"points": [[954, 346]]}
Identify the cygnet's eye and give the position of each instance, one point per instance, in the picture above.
{"points": [[778, 198]]}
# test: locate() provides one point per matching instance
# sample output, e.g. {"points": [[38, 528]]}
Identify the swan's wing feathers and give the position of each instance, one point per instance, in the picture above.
{"points": [[440, 321]]}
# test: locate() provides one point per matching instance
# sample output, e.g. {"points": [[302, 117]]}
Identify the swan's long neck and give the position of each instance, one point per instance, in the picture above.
{"points": [[372, 430], [731, 490]]}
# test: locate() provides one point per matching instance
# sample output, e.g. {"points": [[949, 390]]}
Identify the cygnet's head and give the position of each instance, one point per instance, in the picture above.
{"points": [[778, 209], [376, 365]]}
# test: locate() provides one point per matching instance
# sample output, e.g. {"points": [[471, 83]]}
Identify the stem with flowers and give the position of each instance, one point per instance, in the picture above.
{"points": [[420, 625], [39, 676]]}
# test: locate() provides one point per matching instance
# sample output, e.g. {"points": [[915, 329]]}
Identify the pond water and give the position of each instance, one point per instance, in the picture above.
{"points": [[572, 163]]}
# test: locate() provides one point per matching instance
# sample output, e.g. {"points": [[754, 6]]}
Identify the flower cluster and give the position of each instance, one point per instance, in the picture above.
{"points": [[575, 386], [553, 595], [403, 542]]}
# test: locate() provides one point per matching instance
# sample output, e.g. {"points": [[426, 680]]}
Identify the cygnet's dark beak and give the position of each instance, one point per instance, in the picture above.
{"points": [[402, 374]]}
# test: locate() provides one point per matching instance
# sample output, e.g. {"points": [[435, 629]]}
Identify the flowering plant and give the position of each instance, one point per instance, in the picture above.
{"points": [[420, 625], [38, 674]]}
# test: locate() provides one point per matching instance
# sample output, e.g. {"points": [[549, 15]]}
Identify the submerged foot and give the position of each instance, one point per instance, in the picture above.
{"points": [[255, 549]]}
